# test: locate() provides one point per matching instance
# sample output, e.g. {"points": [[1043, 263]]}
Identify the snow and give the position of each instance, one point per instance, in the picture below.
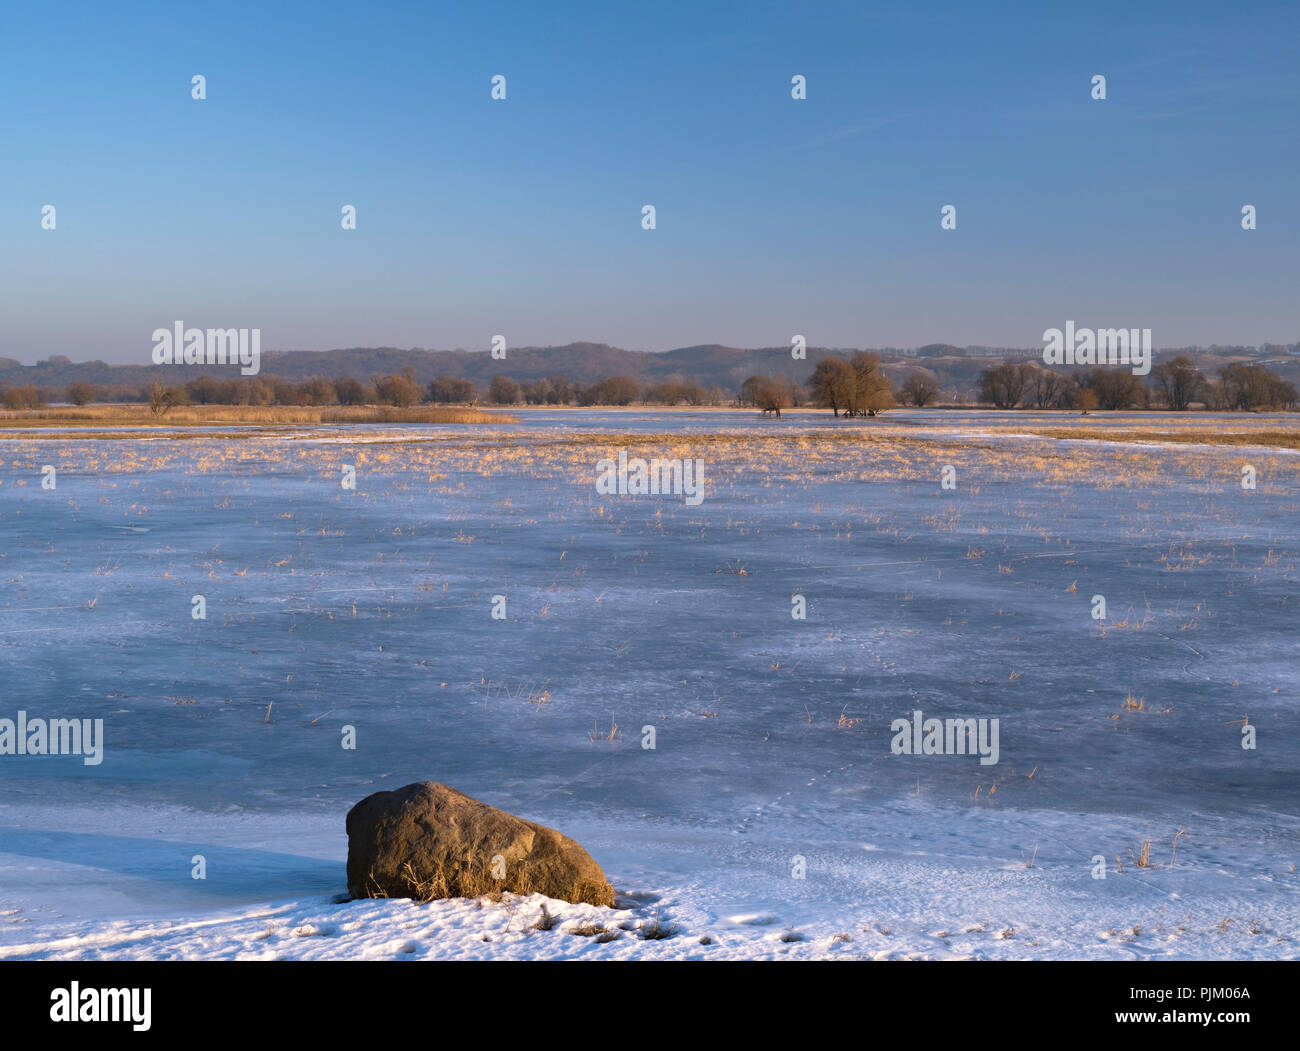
{"points": [[926, 892], [772, 736]]}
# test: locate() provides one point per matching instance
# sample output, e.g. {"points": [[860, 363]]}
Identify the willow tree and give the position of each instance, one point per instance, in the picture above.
{"points": [[872, 391], [832, 384]]}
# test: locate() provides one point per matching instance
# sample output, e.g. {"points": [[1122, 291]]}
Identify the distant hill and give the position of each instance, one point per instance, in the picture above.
{"points": [[712, 365]]}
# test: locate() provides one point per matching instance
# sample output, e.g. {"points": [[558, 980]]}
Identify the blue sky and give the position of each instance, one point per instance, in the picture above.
{"points": [[522, 217]]}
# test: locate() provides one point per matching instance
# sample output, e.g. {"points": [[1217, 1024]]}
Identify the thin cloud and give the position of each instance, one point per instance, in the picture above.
{"points": [[850, 131]]}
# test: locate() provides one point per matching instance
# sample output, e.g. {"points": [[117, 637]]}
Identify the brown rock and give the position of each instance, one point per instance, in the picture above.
{"points": [[429, 841]]}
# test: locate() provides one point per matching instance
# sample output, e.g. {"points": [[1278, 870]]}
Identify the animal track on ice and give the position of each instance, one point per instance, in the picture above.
{"points": [[744, 824]]}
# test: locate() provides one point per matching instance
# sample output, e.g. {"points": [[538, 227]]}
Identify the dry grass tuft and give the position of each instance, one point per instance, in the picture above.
{"points": [[597, 734], [655, 931], [589, 930]]}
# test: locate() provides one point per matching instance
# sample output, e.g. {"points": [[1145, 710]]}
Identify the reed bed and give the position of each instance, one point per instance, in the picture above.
{"points": [[219, 415]]}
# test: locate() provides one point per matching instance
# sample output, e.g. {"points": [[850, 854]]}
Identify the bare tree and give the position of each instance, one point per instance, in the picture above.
{"points": [[1048, 389], [919, 389], [1179, 381], [81, 393], [159, 402], [872, 391], [1005, 385], [503, 390], [398, 389], [831, 384]]}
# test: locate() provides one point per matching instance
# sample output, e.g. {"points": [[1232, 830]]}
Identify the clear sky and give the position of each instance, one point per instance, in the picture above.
{"points": [[523, 217]]}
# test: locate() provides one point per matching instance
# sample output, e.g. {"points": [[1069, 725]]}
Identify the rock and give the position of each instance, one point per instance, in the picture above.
{"points": [[429, 841]]}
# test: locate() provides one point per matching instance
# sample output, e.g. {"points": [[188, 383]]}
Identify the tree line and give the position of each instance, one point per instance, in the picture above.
{"points": [[1175, 384], [856, 386]]}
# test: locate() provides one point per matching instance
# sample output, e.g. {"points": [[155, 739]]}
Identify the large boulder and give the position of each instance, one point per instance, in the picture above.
{"points": [[429, 841]]}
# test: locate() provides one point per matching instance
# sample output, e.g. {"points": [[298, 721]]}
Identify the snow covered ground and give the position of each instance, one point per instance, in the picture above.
{"points": [[771, 819]]}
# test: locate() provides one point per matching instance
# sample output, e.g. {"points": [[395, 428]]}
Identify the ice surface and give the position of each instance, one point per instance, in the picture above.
{"points": [[372, 609]]}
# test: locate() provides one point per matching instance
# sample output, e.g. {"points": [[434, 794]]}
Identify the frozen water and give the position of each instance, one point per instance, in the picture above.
{"points": [[371, 609]]}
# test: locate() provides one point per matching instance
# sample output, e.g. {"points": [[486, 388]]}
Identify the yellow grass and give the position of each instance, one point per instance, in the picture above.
{"points": [[1192, 435], [218, 415]]}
